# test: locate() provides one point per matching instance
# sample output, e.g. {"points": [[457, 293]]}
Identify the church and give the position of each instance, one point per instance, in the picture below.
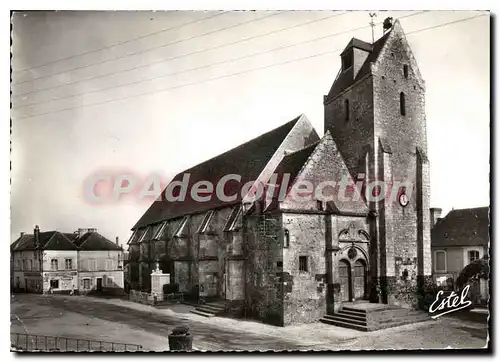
{"points": [[291, 260]]}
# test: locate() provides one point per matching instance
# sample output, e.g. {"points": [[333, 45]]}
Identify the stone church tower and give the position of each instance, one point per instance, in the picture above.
{"points": [[285, 259], [375, 112]]}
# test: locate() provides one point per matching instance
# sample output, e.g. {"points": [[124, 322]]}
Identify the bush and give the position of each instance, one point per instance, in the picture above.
{"points": [[478, 269], [428, 295]]}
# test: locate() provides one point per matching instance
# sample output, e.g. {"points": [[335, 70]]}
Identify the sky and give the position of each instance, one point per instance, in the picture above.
{"points": [[181, 87]]}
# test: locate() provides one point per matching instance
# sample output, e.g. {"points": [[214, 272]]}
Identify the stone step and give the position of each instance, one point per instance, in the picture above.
{"points": [[207, 308], [344, 324], [352, 316], [220, 305], [204, 314], [338, 318], [353, 311]]}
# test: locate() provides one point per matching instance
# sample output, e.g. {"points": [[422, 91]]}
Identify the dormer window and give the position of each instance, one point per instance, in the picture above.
{"points": [[347, 61], [159, 230], [182, 230], [204, 226], [233, 223]]}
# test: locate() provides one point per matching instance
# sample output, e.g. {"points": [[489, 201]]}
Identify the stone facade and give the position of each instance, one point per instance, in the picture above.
{"points": [[106, 265], [60, 277], [27, 270], [379, 141], [55, 262], [290, 261]]}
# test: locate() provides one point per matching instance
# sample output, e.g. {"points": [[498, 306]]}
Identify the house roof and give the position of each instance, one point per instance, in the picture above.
{"points": [[95, 241], [247, 160], [55, 240], [49, 240], [462, 227], [345, 79]]}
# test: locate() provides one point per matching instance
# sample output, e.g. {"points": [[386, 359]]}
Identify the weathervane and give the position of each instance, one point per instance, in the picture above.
{"points": [[372, 24]]}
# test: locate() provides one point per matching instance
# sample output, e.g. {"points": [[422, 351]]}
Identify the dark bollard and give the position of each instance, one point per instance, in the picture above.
{"points": [[180, 339]]}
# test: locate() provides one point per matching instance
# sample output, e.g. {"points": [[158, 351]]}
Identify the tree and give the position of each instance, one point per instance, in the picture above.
{"points": [[478, 269]]}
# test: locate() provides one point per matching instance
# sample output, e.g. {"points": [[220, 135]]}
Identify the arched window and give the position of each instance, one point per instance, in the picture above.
{"points": [[402, 104], [346, 105]]}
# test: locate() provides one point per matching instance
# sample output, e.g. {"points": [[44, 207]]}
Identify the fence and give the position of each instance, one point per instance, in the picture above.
{"points": [[140, 297], [33, 342], [148, 298]]}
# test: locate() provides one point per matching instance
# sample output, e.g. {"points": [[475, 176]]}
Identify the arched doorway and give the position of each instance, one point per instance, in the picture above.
{"points": [[345, 280], [359, 279]]}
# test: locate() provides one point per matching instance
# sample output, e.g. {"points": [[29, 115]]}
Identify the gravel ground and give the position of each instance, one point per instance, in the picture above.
{"points": [[117, 320]]}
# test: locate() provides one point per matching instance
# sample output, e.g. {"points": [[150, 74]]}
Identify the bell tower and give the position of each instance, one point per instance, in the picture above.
{"points": [[375, 111]]}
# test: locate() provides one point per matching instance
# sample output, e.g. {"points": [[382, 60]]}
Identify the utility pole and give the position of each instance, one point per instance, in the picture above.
{"points": [[372, 24]]}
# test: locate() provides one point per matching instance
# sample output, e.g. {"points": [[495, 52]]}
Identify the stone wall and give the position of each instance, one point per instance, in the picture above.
{"points": [[265, 280], [305, 301], [353, 135], [408, 232], [235, 280], [183, 272]]}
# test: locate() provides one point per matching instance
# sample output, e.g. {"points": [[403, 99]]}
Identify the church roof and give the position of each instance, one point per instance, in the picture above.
{"points": [[356, 43], [462, 227], [291, 164], [346, 79], [247, 160]]}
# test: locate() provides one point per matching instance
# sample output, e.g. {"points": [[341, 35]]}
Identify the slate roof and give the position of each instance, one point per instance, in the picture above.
{"points": [[462, 227], [55, 240], [356, 43], [95, 241], [292, 164], [247, 160], [49, 240], [346, 79]]}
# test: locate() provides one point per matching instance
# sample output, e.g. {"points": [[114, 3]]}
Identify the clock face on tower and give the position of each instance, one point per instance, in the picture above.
{"points": [[403, 199]]}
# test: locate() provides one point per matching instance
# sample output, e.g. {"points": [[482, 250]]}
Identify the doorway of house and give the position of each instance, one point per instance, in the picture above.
{"points": [[99, 284]]}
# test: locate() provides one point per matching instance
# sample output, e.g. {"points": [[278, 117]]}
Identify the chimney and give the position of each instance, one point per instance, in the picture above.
{"points": [[36, 234], [435, 215], [117, 240], [22, 233], [82, 231]]}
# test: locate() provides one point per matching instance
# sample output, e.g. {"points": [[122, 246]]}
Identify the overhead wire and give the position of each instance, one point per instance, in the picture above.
{"points": [[230, 75]]}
